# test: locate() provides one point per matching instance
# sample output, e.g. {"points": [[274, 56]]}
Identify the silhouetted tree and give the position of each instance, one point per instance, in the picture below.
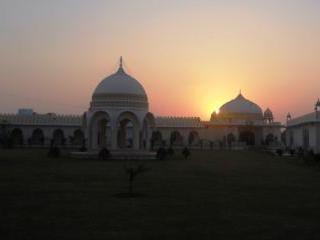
{"points": [[132, 173], [186, 153]]}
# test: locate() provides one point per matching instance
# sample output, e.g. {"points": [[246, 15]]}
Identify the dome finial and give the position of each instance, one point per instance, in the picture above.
{"points": [[120, 65]]}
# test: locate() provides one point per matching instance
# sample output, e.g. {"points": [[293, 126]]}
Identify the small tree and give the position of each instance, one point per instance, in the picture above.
{"points": [[186, 153], [132, 173]]}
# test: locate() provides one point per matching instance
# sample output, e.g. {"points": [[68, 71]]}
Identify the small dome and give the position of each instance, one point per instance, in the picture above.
{"points": [[240, 105], [268, 113]]}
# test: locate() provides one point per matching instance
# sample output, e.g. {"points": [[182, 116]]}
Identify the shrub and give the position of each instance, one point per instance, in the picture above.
{"points": [[54, 152], [186, 153], [161, 153], [317, 157], [292, 151], [83, 148], [279, 151], [170, 151], [104, 154]]}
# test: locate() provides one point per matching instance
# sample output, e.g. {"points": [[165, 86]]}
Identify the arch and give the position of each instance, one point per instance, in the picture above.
{"points": [[150, 119], [176, 138], [156, 138], [128, 134], [78, 137], [193, 138], [269, 139], [230, 139], [37, 137], [58, 137], [99, 130], [16, 137], [248, 137]]}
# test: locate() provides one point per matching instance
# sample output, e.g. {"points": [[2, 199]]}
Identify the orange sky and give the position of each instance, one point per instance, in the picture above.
{"points": [[191, 56]]}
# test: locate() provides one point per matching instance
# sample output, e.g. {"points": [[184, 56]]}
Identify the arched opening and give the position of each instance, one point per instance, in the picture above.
{"points": [[17, 137], [176, 138], [156, 139], [269, 139], [37, 137], [103, 133], [125, 134], [128, 131], [248, 137], [100, 131], [78, 137], [193, 138], [58, 137], [230, 139]]}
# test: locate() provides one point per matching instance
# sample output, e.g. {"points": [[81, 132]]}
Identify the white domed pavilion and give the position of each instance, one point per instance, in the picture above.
{"points": [[243, 121], [119, 116]]}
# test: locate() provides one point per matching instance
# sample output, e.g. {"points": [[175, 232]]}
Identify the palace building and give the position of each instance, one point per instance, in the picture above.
{"points": [[304, 131], [119, 118]]}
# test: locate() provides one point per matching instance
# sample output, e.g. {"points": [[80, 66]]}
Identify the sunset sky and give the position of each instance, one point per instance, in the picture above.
{"points": [[190, 55]]}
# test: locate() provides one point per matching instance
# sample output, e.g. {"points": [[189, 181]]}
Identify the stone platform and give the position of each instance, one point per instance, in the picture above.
{"points": [[117, 155]]}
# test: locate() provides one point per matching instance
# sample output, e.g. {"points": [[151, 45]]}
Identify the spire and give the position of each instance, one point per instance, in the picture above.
{"points": [[120, 69], [317, 105], [120, 65], [288, 116]]}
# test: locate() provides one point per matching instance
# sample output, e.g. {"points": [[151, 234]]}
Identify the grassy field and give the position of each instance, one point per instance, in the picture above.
{"points": [[213, 195]]}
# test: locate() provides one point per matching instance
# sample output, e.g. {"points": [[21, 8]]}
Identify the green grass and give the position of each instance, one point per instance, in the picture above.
{"points": [[213, 195]]}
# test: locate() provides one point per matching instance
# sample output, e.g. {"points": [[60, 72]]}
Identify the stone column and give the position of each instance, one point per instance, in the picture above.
{"points": [[136, 137], [114, 135]]}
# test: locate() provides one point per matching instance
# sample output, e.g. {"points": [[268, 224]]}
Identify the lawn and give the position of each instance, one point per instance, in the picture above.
{"points": [[213, 195]]}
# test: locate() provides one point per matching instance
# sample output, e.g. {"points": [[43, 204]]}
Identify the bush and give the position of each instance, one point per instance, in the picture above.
{"points": [[170, 151], [317, 157], [161, 153], [104, 154], [279, 151], [292, 152], [54, 152], [83, 149], [186, 153]]}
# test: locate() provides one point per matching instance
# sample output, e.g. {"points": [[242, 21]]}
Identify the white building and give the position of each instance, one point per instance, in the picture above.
{"points": [[119, 118], [304, 131]]}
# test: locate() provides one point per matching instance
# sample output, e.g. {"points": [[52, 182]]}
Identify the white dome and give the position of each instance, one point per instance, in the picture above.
{"points": [[119, 90], [240, 105], [119, 83]]}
